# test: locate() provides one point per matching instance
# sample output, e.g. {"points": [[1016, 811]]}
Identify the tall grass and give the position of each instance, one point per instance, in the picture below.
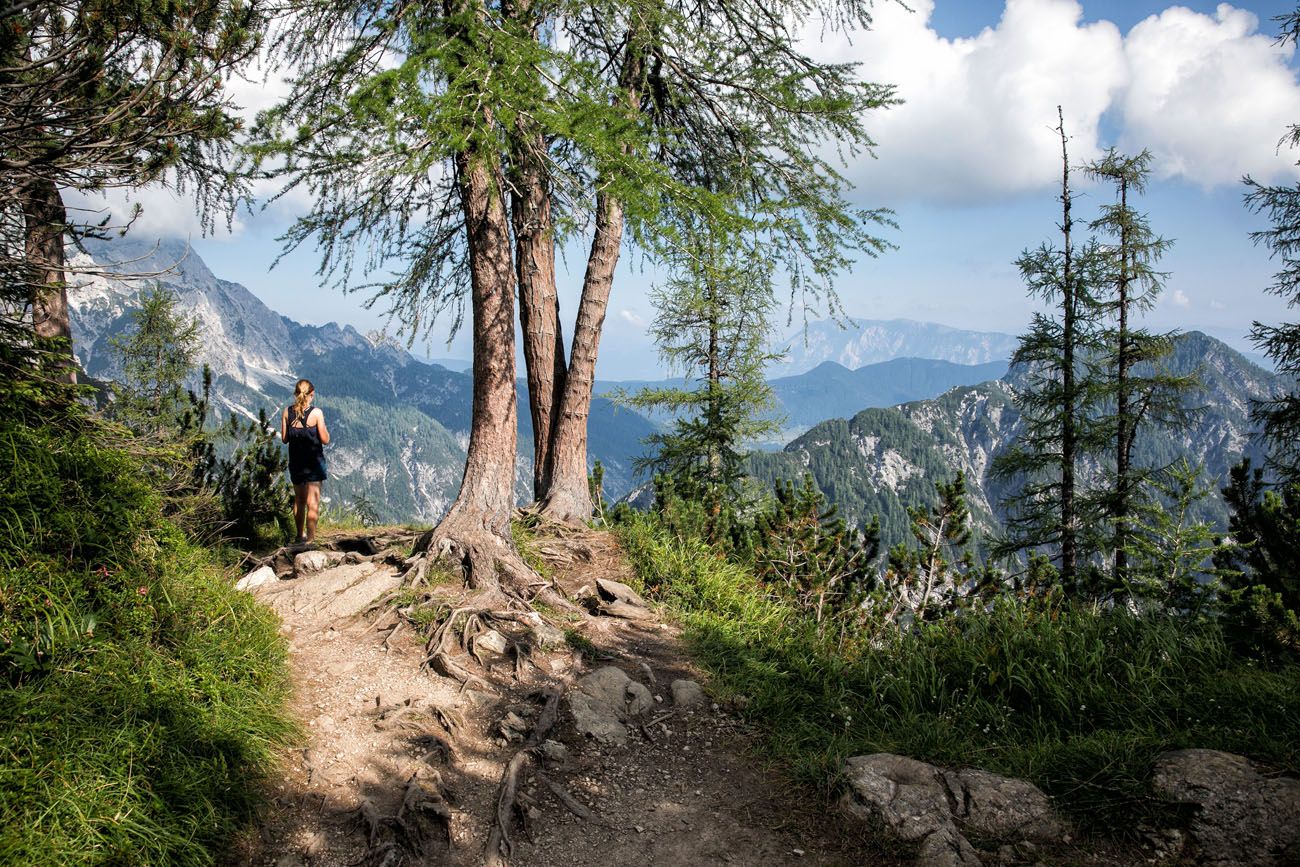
{"points": [[1078, 700], [141, 697]]}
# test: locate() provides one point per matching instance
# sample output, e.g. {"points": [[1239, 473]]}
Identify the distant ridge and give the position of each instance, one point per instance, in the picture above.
{"points": [[869, 341]]}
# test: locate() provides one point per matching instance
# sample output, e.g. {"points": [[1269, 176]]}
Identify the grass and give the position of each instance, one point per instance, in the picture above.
{"points": [[1079, 701], [142, 699]]}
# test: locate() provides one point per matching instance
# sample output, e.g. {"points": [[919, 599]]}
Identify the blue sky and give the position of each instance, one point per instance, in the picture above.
{"points": [[970, 165]]}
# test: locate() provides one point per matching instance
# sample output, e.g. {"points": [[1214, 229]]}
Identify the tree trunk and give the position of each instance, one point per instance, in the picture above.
{"points": [[1069, 298], [569, 496], [45, 219], [1125, 424], [539, 304], [475, 533]]}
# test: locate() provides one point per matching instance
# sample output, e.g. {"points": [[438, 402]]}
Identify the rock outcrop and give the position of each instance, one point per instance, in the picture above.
{"points": [[603, 702], [936, 808], [1240, 817]]}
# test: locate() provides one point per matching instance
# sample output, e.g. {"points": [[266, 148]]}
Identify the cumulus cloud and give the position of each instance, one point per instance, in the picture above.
{"points": [[978, 113], [1210, 95], [1180, 299], [631, 317]]}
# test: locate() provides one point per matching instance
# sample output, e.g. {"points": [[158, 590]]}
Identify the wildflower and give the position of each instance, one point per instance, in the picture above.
{"points": [[143, 591]]}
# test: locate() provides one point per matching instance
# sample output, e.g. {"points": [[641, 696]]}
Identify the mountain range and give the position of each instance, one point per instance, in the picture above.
{"points": [[400, 425], [855, 343], [880, 461]]}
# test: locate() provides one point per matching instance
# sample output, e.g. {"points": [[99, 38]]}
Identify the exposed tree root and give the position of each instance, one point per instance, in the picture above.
{"points": [[572, 804], [498, 848], [419, 831]]}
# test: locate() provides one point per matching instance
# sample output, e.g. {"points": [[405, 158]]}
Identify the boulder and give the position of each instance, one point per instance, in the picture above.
{"points": [[1240, 816], [257, 578], [1001, 808], [489, 641], [311, 562], [919, 803], [613, 591], [603, 701], [687, 693], [542, 634]]}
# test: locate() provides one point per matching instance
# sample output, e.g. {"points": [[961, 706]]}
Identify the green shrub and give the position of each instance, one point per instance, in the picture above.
{"points": [[1076, 699], [141, 697]]}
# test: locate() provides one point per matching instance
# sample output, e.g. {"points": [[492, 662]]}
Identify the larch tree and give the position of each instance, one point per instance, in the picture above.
{"points": [[712, 92], [102, 94], [1137, 390], [1058, 396], [714, 327], [448, 150], [1279, 416]]}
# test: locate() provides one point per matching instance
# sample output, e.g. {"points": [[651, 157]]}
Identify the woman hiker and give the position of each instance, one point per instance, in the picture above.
{"points": [[302, 426]]}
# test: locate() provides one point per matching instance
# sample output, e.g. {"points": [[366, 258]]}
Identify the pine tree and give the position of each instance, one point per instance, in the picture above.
{"points": [[1059, 396], [803, 547], [157, 353], [936, 574], [713, 327], [1136, 391]]}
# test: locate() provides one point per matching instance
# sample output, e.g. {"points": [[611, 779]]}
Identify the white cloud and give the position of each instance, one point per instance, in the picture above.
{"points": [[1218, 305], [631, 317], [1180, 299], [979, 112], [1210, 96]]}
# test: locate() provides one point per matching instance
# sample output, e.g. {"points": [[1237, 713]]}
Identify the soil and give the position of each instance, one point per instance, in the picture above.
{"points": [[688, 788]]}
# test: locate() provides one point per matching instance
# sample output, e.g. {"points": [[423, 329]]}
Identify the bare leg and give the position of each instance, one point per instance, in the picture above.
{"points": [[300, 508], [313, 508]]}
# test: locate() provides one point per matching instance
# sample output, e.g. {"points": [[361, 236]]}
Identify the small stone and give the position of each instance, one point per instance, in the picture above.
{"points": [[639, 829], [687, 693], [798, 852], [554, 751], [490, 641], [257, 578]]}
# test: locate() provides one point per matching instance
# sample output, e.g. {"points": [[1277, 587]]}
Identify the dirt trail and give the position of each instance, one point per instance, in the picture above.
{"points": [[685, 789]]}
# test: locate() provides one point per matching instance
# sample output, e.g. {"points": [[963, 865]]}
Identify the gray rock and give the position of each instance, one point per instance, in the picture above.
{"points": [[687, 693], [626, 610], [1241, 816], [918, 802], [614, 591], [604, 701], [1002, 808], [257, 578], [545, 636], [554, 752], [902, 794], [947, 848], [311, 562], [490, 641]]}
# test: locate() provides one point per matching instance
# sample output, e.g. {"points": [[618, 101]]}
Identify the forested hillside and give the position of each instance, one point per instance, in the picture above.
{"points": [[884, 461]]}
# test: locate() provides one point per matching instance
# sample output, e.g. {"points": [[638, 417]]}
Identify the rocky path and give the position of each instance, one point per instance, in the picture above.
{"points": [[403, 766]]}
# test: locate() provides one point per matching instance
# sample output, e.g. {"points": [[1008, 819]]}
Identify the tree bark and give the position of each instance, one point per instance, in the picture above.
{"points": [[1125, 423], [45, 219], [569, 497], [475, 532], [539, 303]]}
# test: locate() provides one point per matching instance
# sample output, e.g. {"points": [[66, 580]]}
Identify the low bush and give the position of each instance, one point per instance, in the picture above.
{"points": [[1076, 699]]}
